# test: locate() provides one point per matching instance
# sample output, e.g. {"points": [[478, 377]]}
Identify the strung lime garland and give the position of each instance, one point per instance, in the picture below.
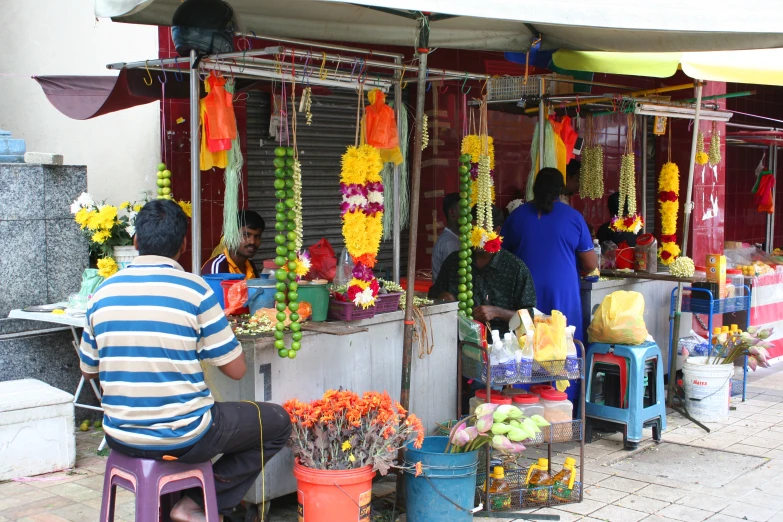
{"points": [[628, 220], [164, 182], [714, 154], [465, 294], [286, 296]]}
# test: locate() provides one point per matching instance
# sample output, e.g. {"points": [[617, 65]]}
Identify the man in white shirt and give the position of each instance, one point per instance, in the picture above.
{"points": [[448, 241]]}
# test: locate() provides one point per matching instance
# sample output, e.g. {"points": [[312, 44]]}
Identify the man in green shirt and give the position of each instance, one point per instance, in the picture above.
{"points": [[502, 283]]}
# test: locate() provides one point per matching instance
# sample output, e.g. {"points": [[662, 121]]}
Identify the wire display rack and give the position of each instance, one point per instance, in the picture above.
{"points": [[512, 88], [474, 363], [701, 301]]}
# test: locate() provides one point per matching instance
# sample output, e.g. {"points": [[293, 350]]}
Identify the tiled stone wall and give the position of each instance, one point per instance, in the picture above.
{"points": [[42, 251]]}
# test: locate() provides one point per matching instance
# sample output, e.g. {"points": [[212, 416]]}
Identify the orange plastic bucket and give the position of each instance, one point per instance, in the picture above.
{"points": [[333, 495]]}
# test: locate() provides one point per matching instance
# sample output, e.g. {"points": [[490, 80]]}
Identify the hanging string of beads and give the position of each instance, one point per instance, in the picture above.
{"points": [[627, 219], [591, 173], [714, 154]]}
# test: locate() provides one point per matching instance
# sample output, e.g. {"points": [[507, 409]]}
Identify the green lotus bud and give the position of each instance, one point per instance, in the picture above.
{"points": [[540, 421], [531, 426], [500, 429], [518, 435], [515, 423]]}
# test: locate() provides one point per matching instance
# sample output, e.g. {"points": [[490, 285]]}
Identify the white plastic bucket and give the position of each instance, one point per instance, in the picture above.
{"points": [[707, 389], [124, 255]]}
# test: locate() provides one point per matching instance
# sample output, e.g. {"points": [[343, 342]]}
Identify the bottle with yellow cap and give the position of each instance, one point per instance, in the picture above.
{"points": [[499, 490], [563, 482], [537, 480]]}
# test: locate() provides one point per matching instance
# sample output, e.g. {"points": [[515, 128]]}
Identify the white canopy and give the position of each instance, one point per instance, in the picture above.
{"points": [[503, 25]]}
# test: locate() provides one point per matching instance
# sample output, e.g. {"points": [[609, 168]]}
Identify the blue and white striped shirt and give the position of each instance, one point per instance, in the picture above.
{"points": [[153, 324]]}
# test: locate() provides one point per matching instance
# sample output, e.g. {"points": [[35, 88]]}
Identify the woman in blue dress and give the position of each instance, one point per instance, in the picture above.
{"points": [[552, 239]]}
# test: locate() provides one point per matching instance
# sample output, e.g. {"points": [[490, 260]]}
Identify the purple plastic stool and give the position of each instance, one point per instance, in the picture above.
{"points": [[149, 479]]}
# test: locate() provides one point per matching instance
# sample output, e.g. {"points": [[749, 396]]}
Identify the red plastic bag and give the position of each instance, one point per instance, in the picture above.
{"points": [[381, 126], [236, 299], [323, 262]]}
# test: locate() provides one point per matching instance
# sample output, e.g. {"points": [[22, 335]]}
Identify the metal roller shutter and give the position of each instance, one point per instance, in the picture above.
{"points": [[321, 146]]}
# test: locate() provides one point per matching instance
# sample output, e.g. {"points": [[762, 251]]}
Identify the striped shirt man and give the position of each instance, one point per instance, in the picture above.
{"points": [[150, 327]]}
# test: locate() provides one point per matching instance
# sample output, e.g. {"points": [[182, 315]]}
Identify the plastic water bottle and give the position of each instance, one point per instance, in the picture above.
{"points": [[526, 363], [597, 248]]}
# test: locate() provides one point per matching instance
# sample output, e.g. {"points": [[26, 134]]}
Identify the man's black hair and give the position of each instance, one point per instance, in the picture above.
{"points": [[450, 201], [573, 168], [498, 218], [161, 226], [251, 219], [613, 202]]}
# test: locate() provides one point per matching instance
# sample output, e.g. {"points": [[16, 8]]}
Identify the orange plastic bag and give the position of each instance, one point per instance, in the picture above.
{"points": [[220, 119], [381, 127]]}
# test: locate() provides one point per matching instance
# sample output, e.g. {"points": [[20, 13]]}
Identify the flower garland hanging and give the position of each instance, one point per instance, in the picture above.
{"points": [[465, 297], [483, 234], [471, 145], [425, 132], [362, 214], [668, 194], [714, 154], [627, 219], [701, 157], [591, 172]]}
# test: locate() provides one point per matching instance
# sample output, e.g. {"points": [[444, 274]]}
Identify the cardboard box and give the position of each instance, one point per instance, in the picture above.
{"points": [[716, 273]]}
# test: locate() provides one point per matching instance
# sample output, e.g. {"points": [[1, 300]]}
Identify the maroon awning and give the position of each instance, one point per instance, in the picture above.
{"points": [[85, 97]]}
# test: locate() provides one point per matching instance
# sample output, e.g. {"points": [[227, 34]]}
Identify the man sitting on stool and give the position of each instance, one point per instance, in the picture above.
{"points": [[150, 327]]}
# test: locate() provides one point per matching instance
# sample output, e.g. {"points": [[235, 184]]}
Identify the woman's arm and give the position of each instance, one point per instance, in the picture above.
{"points": [[588, 261]]}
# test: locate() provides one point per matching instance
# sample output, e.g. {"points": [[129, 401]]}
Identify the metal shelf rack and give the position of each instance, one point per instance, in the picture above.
{"points": [[700, 301], [474, 363]]}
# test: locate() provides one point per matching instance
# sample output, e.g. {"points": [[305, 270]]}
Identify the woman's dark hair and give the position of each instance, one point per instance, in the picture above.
{"points": [[161, 226], [547, 189]]}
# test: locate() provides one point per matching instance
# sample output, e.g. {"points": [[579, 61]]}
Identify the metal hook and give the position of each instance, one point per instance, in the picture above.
{"points": [[442, 88], [146, 67], [363, 71], [426, 80], [165, 78], [402, 77], [242, 69], [322, 72], [178, 73], [307, 71], [462, 89], [353, 68]]}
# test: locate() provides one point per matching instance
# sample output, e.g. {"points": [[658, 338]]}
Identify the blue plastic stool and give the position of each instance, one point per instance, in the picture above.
{"points": [[635, 417]]}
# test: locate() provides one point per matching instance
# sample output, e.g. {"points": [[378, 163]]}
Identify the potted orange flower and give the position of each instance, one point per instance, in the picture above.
{"points": [[340, 441]]}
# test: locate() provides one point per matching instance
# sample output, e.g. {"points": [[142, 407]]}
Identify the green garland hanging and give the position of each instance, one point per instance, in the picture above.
{"points": [[465, 294]]}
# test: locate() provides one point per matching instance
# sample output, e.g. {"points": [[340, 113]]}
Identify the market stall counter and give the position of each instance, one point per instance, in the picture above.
{"points": [[360, 356], [657, 298]]}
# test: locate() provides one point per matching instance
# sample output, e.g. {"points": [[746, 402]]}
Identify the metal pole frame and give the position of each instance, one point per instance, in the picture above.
{"points": [[396, 228], [421, 91], [686, 223], [195, 168], [644, 173]]}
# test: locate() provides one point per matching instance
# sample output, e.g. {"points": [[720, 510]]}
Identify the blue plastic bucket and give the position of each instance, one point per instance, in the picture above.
{"points": [[214, 280], [447, 486], [260, 294]]}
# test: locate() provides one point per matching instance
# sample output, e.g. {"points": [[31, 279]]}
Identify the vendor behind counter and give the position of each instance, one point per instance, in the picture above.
{"points": [[605, 232]]}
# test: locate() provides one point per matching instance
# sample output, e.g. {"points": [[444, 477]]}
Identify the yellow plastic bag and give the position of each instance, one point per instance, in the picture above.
{"points": [[549, 340], [619, 320]]}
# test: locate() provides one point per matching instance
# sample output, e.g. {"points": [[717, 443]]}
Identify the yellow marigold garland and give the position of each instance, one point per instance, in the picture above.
{"points": [[471, 144], [668, 193], [360, 179], [701, 157]]}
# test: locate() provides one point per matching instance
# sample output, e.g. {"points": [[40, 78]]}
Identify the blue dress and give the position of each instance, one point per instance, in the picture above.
{"points": [[548, 245]]}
